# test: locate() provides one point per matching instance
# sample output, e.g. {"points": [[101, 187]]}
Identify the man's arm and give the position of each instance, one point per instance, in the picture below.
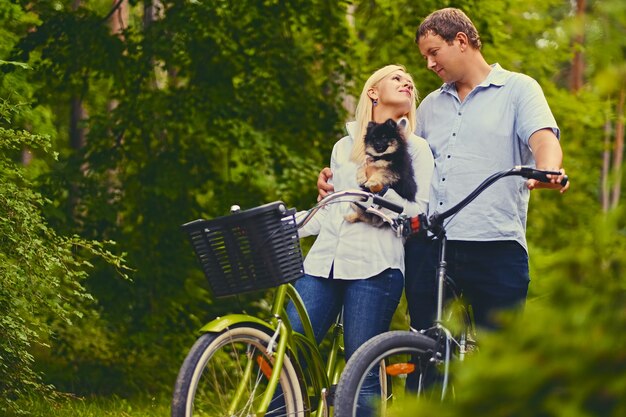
{"points": [[323, 186], [549, 156]]}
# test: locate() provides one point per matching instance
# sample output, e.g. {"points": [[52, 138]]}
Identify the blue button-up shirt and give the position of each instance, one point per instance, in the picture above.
{"points": [[472, 139]]}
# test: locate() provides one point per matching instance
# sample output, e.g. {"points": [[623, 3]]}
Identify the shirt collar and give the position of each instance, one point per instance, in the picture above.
{"points": [[351, 128], [497, 76]]}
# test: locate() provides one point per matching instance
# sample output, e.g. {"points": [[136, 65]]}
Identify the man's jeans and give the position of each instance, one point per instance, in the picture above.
{"points": [[492, 276]]}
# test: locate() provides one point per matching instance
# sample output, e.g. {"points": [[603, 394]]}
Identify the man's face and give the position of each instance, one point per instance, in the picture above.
{"points": [[441, 57]]}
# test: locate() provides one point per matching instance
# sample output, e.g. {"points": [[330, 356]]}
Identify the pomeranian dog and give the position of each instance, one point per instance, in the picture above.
{"points": [[386, 151]]}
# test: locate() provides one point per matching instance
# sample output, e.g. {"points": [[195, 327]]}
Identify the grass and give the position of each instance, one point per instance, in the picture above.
{"points": [[69, 405]]}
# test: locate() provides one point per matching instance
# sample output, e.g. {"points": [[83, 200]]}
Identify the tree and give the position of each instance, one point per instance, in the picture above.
{"points": [[243, 107]]}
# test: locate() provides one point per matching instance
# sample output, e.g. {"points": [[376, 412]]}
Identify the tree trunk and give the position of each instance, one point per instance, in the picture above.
{"points": [[606, 164], [578, 64], [118, 21], [119, 17], [77, 115], [152, 11], [618, 156]]}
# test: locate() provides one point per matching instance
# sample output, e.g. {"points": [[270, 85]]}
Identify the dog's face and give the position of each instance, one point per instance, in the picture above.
{"points": [[382, 138]]}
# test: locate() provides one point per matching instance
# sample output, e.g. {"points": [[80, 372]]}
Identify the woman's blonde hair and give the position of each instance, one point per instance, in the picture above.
{"points": [[364, 110]]}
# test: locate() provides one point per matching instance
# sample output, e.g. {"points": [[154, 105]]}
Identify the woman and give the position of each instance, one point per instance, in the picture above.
{"points": [[356, 266]]}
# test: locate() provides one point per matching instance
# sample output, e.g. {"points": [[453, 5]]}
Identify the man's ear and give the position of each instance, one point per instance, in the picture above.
{"points": [[463, 40]]}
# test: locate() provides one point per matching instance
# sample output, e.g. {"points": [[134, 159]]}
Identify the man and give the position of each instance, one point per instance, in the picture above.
{"points": [[482, 120]]}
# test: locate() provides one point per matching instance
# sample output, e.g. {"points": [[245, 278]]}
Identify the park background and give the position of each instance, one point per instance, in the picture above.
{"points": [[122, 119]]}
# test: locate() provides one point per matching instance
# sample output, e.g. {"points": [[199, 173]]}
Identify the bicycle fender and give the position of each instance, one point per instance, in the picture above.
{"points": [[222, 323]]}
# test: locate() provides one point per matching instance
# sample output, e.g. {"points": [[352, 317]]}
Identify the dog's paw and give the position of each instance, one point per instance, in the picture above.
{"points": [[352, 217], [374, 186]]}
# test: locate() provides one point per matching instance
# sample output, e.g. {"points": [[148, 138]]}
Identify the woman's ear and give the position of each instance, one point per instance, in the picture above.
{"points": [[372, 94]]}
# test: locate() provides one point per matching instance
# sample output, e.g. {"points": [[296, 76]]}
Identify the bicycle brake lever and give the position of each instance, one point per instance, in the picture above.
{"points": [[380, 214]]}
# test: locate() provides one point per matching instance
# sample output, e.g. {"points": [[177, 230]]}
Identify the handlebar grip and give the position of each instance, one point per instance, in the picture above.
{"points": [[542, 176], [388, 204]]}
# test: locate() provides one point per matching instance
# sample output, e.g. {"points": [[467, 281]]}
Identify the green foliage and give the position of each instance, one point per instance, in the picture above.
{"points": [[42, 271], [70, 406], [566, 356], [215, 103]]}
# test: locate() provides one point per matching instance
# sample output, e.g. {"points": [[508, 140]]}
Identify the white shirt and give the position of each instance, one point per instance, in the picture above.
{"points": [[359, 250]]}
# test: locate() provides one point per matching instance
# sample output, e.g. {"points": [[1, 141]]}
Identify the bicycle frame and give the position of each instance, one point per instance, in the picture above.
{"points": [[300, 345], [435, 225], [279, 337], [295, 343]]}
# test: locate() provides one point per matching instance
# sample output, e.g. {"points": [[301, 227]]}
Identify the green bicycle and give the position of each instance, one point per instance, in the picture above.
{"points": [[242, 365]]}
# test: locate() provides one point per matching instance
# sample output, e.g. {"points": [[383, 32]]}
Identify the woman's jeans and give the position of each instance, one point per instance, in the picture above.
{"points": [[491, 275], [368, 307]]}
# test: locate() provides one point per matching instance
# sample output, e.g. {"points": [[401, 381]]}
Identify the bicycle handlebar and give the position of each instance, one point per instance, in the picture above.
{"points": [[434, 223], [388, 204], [540, 175], [366, 199], [405, 226]]}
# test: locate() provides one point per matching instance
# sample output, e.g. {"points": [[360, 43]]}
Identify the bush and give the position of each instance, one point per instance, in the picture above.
{"points": [[41, 271], [567, 355]]}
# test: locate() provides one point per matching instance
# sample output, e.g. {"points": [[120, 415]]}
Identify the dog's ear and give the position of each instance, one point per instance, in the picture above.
{"points": [[403, 123], [391, 123], [371, 125]]}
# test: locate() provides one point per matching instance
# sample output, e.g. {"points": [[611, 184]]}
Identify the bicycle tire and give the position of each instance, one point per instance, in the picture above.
{"points": [[210, 375], [385, 347]]}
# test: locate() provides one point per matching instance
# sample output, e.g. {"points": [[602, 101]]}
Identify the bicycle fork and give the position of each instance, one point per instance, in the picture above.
{"points": [[332, 369], [271, 371]]}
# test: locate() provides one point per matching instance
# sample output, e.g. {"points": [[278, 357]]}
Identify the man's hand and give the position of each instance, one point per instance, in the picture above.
{"points": [[554, 184], [323, 186], [548, 156]]}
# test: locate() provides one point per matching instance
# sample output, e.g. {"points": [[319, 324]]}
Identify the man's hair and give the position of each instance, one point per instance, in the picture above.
{"points": [[447, 23]]}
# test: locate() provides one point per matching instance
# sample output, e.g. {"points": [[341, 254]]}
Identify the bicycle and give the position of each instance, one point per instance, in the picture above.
{"points": [[414, 362], [242, 365]]}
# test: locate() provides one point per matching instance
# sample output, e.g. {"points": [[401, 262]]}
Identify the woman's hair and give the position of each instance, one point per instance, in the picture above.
{"points": [[447, 23], [364, 110]]}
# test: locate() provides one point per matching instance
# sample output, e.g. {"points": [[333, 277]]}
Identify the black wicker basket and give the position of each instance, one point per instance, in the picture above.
{"points": [[249, 250]]}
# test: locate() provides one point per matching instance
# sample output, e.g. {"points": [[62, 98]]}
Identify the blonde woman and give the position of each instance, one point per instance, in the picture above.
{"points": [[356, 266]]}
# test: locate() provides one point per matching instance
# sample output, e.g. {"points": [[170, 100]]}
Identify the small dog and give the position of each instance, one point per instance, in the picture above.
{"points": [[386, 150]]}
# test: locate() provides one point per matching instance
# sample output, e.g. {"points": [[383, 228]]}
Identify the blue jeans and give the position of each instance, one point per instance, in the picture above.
{"points": [[491, 275], [368, 307]]}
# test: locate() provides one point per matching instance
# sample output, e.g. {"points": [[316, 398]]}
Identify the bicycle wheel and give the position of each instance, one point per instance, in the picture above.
{"points": [[226, 374], [402, 362]]}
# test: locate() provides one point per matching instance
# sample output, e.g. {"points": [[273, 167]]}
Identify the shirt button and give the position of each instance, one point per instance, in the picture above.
{"points": [[459, 113], [443, 179], [441, 203], [454, 134], [449, 156]]}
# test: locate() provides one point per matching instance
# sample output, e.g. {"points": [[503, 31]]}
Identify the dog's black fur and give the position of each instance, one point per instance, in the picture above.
{"points": [[386, 150]]}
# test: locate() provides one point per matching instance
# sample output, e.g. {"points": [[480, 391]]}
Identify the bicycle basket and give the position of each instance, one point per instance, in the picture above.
{"points": [[249, 250]]}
